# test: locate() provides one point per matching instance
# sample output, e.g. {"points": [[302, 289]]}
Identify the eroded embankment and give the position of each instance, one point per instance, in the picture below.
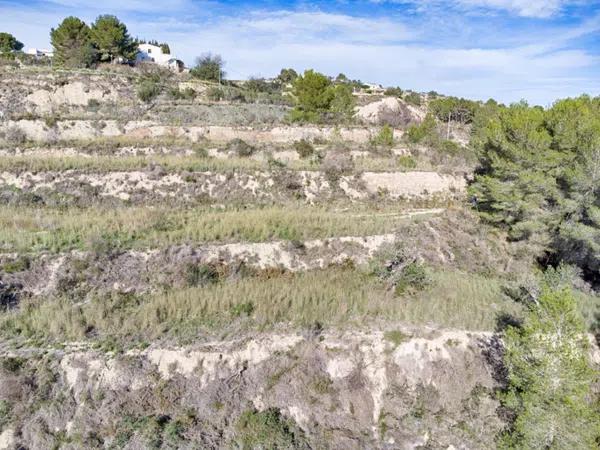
{"points": [[39, 131], [156, 185], [342, 390], [142, 271]]}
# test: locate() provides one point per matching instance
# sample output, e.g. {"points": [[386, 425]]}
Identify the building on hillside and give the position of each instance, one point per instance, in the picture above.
{"points": [[40, 53], [149, 53]]}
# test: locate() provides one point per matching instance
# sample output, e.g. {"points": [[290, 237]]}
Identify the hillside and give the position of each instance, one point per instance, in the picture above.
{"points": [[200, 272]]}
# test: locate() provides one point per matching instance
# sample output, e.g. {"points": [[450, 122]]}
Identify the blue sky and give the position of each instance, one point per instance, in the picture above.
{"points": [[537, 50]]}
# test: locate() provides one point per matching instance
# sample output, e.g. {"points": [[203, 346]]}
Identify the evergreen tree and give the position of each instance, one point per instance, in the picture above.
{"points": [[111, 39], [72, 44], [540, 177], [550, 378], [8, 43]]}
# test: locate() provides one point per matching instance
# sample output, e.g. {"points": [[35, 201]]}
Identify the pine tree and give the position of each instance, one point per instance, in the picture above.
{"points": [[111, 39], [72, 45], [9, 43], [550, 378]]}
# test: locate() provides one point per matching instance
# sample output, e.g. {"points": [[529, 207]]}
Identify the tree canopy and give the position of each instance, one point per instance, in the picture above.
{"points": [[72, 44], [209, 67], [540, 177], [9, 43], [550, 377], [110, 38], [317, 97]]}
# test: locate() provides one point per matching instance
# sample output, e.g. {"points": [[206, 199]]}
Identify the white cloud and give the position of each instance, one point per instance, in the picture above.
{"points": [[538, 67]]}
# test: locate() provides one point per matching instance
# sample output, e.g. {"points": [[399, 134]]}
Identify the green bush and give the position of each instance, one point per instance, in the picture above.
{"points": [[202, 274], [215, 94], [385, 137], [182, 94], [407, 161], [267, 430], [241, 148], [209, 67], [424, 132], [400, 270], [148, 90], [304, 148], [393, 92], [413, 98]]}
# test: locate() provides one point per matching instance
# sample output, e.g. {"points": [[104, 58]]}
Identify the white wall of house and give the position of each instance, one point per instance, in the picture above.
{"points": [[152, 53]]}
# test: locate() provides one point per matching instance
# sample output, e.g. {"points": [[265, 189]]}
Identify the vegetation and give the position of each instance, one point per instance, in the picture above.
{"points": [[8, 43], [268, 429], [111, 39], [72, 44], [550, 377], [287, 76], [209, 67], [317, 98], [540, 178]]}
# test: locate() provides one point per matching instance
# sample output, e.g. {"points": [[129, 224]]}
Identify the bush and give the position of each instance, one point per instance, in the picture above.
{"points": [[337, 163], [267, 430], [400, 270], [385, 137], [182, 94], [304, 148], [209, 67], [15, 135], [426, 131], [148, 90], [215, 94], [393, 92], [202, 274], [413, 98], [240, 148], [407, 161]]}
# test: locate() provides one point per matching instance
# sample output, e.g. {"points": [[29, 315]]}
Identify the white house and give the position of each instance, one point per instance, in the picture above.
{"points": [[154, 54], [39, 53]]}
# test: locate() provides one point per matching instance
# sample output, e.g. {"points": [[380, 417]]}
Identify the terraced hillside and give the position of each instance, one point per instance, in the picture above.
{"points": [[197, 274]]}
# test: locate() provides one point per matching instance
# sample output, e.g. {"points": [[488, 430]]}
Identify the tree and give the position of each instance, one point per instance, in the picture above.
{"points": [[8, 43], [72, 44], [342, 104], [111, 39], [287, 76], [540, 177], [209, 67], [549, 377], [313, 95]]}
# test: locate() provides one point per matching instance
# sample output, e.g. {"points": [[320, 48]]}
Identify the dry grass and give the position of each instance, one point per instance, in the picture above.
{"points": [[56, 230], [340, 296]]}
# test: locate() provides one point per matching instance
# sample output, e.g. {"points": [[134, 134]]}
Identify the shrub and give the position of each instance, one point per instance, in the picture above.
{"points": [[182, 94], [400, 270], [393, 92], [426, 131], [267, 430], [413, 98], [209, 67], [407, 161], [51, 120], [15, 135], [215, 94], [337, 163], [202, 274], [385, 137], [240, 147], [148, 90], [93, 104], [304, 148]]}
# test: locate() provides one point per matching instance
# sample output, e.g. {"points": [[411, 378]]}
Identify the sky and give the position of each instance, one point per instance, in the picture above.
{"points": [[536, 50]]}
